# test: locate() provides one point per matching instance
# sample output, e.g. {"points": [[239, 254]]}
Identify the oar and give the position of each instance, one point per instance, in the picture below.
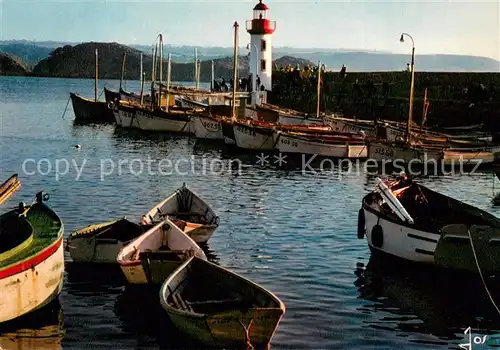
{"points": [[9, 191]]}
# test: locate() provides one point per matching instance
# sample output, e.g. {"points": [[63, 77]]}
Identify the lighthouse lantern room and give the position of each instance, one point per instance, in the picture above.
{"points": [[261, 30]]}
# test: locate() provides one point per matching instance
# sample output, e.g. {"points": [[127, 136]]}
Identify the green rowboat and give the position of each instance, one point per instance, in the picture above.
{"points": [[31, 258]]}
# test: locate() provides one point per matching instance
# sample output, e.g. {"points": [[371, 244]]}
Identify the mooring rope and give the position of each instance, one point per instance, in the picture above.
{"points": [[481, 273], [67, 104]]}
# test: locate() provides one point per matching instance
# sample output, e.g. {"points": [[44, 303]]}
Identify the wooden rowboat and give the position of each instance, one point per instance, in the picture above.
{"points": [[31, 258], [87, 110], [8, 188], [154, 255], [220, 308], [101, 243], [410, 221], [188, 211]]}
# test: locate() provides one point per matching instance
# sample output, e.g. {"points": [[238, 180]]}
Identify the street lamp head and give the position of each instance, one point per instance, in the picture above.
{"points": [[402, 39]]}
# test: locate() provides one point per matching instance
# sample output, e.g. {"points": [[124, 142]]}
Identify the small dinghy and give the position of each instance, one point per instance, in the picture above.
{"points": [[219, 308], [410, 221], [188, 211], [31, 258], [154, 255], [101, 243]]}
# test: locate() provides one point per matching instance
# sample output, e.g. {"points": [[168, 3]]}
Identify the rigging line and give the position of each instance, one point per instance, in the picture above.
{"points": [[481, 273]]}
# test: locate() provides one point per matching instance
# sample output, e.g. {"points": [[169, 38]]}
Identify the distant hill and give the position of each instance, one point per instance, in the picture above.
{"points": [[360, 61], [30, 54], [78, 62], [10, 65]]}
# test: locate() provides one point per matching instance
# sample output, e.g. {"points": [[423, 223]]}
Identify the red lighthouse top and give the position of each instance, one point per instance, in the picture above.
{"points": [[260, 24]]}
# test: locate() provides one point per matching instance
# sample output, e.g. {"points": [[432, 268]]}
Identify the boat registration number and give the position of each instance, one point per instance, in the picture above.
{"points": [[384, 151], [289, 142], [246, 131], [211, 125]]}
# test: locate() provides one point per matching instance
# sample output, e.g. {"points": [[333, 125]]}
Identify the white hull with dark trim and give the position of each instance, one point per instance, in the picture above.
{"points": [[207, 128], [399, 240], [152, 122], [250, 137], [287, 143]]}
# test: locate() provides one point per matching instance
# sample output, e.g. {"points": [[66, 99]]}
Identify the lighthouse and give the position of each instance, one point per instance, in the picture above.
{"points": [[261, 30]]}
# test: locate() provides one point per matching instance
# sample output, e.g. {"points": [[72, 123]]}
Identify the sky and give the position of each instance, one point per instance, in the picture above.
{"points": [[448, 26]]}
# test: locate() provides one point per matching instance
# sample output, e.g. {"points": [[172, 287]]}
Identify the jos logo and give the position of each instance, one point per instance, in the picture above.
{"points": [[476, 340]]}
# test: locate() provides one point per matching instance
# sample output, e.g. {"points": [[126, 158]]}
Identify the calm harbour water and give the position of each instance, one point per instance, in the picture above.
{"points": [[294, 233]]}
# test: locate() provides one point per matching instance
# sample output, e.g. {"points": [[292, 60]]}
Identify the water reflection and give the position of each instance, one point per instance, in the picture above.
{"points": [[411, 298], [140, 312], [42, 329]]}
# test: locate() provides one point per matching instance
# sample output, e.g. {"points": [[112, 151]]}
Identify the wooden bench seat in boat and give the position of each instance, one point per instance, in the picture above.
{"points": [[161, 255]]}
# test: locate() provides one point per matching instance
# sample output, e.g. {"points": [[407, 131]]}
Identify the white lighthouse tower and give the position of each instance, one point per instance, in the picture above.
{"points": [[261, 30]]}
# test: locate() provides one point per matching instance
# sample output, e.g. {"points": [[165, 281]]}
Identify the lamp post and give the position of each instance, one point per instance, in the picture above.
{"points": [[255, 87], [412, 84]]}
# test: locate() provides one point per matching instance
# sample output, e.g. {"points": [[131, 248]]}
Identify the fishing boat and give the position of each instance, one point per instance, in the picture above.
{"points": [[101, 243], [325, 145], [153, 256], [401, 152], [8, 188], [220, 308], [207, 126], [31, 258], [88, 110], [412, 222], [176, 120], [252, 135], [91, 110], [188, 211]]}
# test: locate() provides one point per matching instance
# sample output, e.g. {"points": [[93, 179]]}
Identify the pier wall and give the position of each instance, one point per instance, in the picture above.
{"points": [[455, 98]]}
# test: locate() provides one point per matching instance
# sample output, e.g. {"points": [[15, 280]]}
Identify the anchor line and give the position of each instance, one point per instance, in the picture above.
{"points": [[481, 273], [65, 108]]}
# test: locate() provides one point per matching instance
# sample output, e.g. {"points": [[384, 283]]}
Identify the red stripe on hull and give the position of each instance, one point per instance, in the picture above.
{"points": [[37, 259]]}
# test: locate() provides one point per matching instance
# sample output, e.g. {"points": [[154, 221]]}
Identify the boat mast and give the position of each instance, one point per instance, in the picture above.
{"points": [[169, 74], [153, 75], [96, 75], [141, 71], [161, 58], [235, 64], [123, 69], [195, 64], [213, 77], [318, 89], [198, 72]]}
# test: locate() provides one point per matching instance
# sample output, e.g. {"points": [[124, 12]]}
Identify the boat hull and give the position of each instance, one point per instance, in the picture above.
{"points": [[399, 240], [290, 144], [225, 330], [88, 250], [154, 121], [38, 282], [382, 152], [253, 138], [87, 110], [207, 128]]}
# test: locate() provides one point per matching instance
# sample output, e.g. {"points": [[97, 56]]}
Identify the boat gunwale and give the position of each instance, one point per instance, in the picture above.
{"points": [[37, 258], [164, 290]]}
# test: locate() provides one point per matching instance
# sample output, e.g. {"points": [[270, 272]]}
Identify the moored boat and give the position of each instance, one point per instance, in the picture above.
{"points": [[207, 127], [410, 221], [325, 145], [88, 110], [176, 120], [188, 211], [153, 256], [101, 243], [220, 308], [31, 258], [251, 135]]}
